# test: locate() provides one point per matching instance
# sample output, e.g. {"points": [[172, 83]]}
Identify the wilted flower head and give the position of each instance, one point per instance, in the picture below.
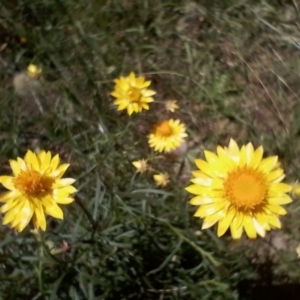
{"points": [[140, 165], [167, 135], [239, 189], [171, 105], [34, 71], [35, 188], [161, 179], [131, 93]]}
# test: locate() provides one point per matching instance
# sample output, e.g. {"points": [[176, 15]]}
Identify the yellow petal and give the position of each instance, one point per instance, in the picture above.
{"points": [[204, 191], [25, 216], [12, 213], [201, 200], [200, 174], [249, 152], [233, 150], [257, 157], [63, 200], [210, 157], [249, 227], [271, 176], [236, 232], [65, 191], [4, 197], [55, 211], [31, 160], [40, 220], [45, 159], [7, 182], [12, 202], [63, 182], [130, 110], [16, 168], [205, 167], [276, 209], [54, 162], [283, 199], [274, 221], [268, 164], [211, 220], [262, 219], [278, 188], [259, 229], [226, 162], [209, 209], [203, 180], [238, 219], [225, 222], [243, 156], [59, 172]]}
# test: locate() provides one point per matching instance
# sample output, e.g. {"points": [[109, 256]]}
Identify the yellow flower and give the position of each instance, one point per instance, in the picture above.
{"points": [[131, 93], [239, 189], [298, 251], [167, 135], [295, 188], [140, 165], [161, 179], [34, 71], [171, 105], [35, 188]]}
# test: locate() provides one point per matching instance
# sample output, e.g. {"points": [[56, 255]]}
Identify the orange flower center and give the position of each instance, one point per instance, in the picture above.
{"points": [[134, 94], [32, 183], [163, 129], [246, 188]]}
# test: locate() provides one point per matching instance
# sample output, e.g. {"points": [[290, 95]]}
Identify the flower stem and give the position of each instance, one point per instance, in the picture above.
{"points": [[191, 243], [89, 216]]}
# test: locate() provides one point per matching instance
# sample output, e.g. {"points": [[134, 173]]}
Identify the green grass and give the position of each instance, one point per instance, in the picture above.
{"points": [[234, 68]]}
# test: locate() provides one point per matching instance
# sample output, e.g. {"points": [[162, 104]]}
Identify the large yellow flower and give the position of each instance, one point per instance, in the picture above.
{"points": [[35, 188], [131, 93], [239, 189], [167, 135]]}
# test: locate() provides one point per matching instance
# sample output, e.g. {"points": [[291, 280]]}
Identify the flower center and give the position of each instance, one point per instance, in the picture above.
{"points": [[134, 94], [163, 129], [32, 183], [246, 188]]}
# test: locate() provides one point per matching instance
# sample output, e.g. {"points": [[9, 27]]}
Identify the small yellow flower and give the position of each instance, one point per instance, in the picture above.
{"points": [[171, 105], [35, 188], [131, 93], [295, 188], [34, 71], [161, 179], [239, 189], [298, 250], [167, 135], [140, 165]]}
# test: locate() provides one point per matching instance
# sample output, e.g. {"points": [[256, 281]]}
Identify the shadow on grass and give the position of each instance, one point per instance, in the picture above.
{"points": [[274, 292]]}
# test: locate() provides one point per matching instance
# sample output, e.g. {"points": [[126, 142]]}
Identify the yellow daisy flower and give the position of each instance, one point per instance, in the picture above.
{"points": [[239, 189], [131, 93], [161, 179], [34, 71], [140, 165], [167, 135], [35, 188], [171, 105]]}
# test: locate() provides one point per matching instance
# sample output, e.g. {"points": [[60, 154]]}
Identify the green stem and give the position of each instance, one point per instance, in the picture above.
{"points": [[191, 243], [40, 240], [89, 216]]}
